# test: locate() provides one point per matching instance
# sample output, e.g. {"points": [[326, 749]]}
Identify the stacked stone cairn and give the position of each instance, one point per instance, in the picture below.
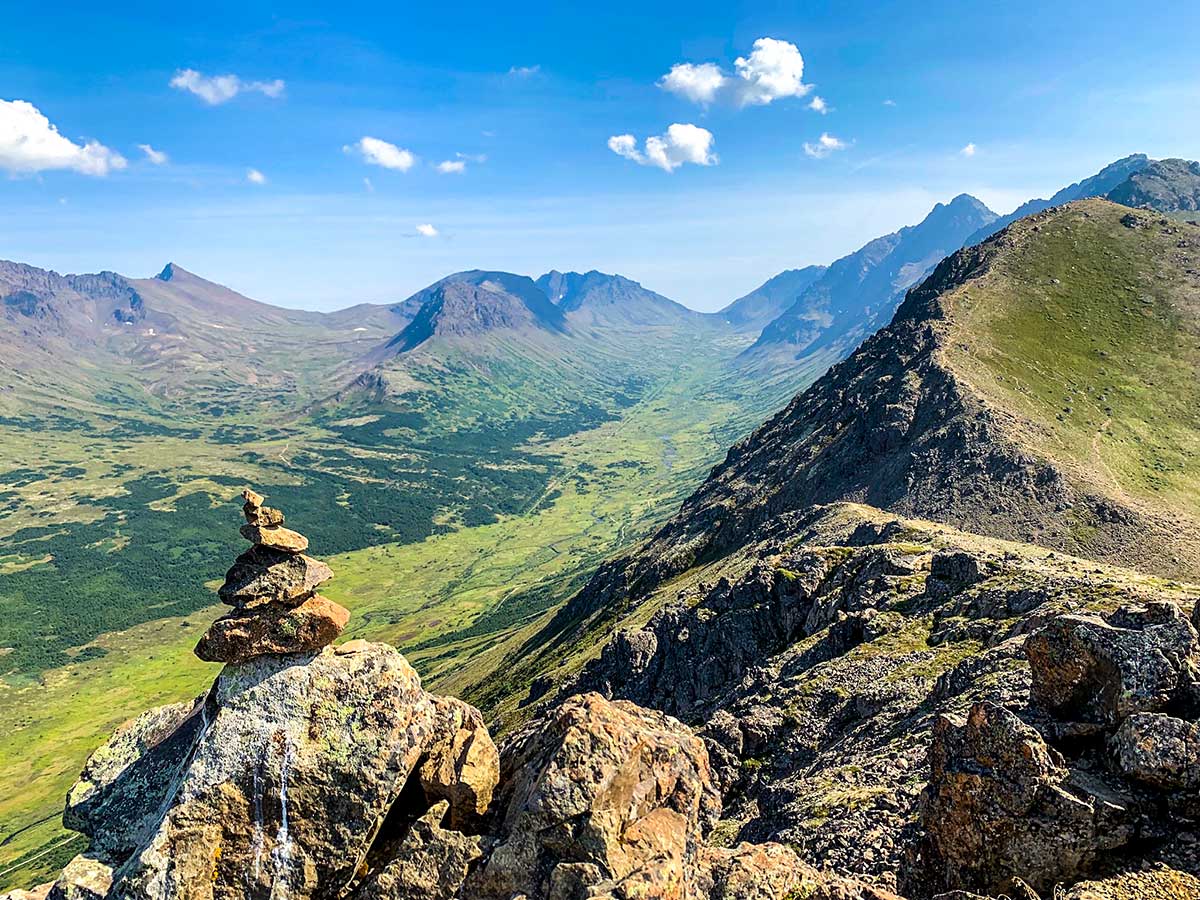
{"points": [[272, 588]]}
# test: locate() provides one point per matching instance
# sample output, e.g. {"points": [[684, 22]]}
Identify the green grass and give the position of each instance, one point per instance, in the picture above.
{"points": [[1092, 333]]}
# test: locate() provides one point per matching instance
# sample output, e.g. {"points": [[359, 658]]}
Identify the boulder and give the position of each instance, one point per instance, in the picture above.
{"points": [[1161, 884], [299, 759], [462, 764], [430, 862], [252, 631], [276, 538], [1159, 750], [265, 575], [117, 800], [1092, 669], [41, 892], [83, 878], [1001, 804], [774, 872], [599, 798]]}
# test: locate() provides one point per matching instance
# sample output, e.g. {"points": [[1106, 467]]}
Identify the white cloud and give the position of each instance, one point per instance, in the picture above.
{"points": [[255, 177], [473, 157], [773, 70], [968, 151], [681, 144], [369, 185], [29, 142], [699, 83], [452, 167], [825, 145], [524, 71], [217, 89], [427, 230], [818, 104], [381, 153], [155, 156], [889, 102]]}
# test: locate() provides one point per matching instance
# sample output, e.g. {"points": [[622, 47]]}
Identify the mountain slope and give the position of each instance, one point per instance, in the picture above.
{"points": [[1167, 185], [595, 299], [475, 303], [858, 292], [1040, 386], [769, 300]]}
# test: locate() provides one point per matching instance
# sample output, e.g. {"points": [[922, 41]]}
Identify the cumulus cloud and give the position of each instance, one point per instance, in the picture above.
{"points": [[968, 151], [818, 104], [773, 70], [381, 153], [889, 102], [427, 230], [700, 83], [255, 177], [452, 167], [824, 145], [155, 156], [681, 144], [524, 71], [29, 143], [217, 89]]}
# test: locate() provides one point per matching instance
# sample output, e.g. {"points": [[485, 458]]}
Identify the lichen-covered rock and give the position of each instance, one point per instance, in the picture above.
{"points": [[430, 862], [599, 796], [83, 878], [1092, 669], [1160, 884], [262, 574], [252, 631], [774, 872], [41, 892], [289, 778], [1002, 804], [117, 800], [1159, 750], [462, 764]]}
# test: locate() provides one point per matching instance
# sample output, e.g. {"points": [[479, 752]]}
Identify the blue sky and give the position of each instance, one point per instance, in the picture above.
{"points": [[527, 97]]}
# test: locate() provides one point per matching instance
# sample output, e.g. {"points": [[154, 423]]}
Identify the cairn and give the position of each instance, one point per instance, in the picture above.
{"points": [[272, 588]]}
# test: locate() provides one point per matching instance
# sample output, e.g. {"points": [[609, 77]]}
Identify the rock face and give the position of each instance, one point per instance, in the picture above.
{"points": [[273, 589]]}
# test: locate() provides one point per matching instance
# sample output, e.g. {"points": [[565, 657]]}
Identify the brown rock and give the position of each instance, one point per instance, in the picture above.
{"points": [[1162, 884], [262, 515], [1001, 805], [248, 632], [41, 892], [275, 538], [253, 497], [263, 574], [430, 863], [600, 798], [463, 765]]}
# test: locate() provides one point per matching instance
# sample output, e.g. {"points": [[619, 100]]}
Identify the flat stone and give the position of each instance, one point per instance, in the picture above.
{"points": [[248, 632], [265, 574], [253, 498], [275, 538], [84, 878]]}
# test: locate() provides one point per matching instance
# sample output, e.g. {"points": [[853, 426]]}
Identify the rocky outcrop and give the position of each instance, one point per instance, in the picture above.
{"points": [[1002, 806], [273, 589], [1117, 694]]}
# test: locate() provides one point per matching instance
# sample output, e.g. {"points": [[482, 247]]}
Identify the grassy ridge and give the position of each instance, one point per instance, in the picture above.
{"points": [[1092, 334]]}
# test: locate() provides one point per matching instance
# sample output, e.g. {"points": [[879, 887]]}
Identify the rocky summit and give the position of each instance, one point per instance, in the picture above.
{"points": [[311, 771], [272, 588]]}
